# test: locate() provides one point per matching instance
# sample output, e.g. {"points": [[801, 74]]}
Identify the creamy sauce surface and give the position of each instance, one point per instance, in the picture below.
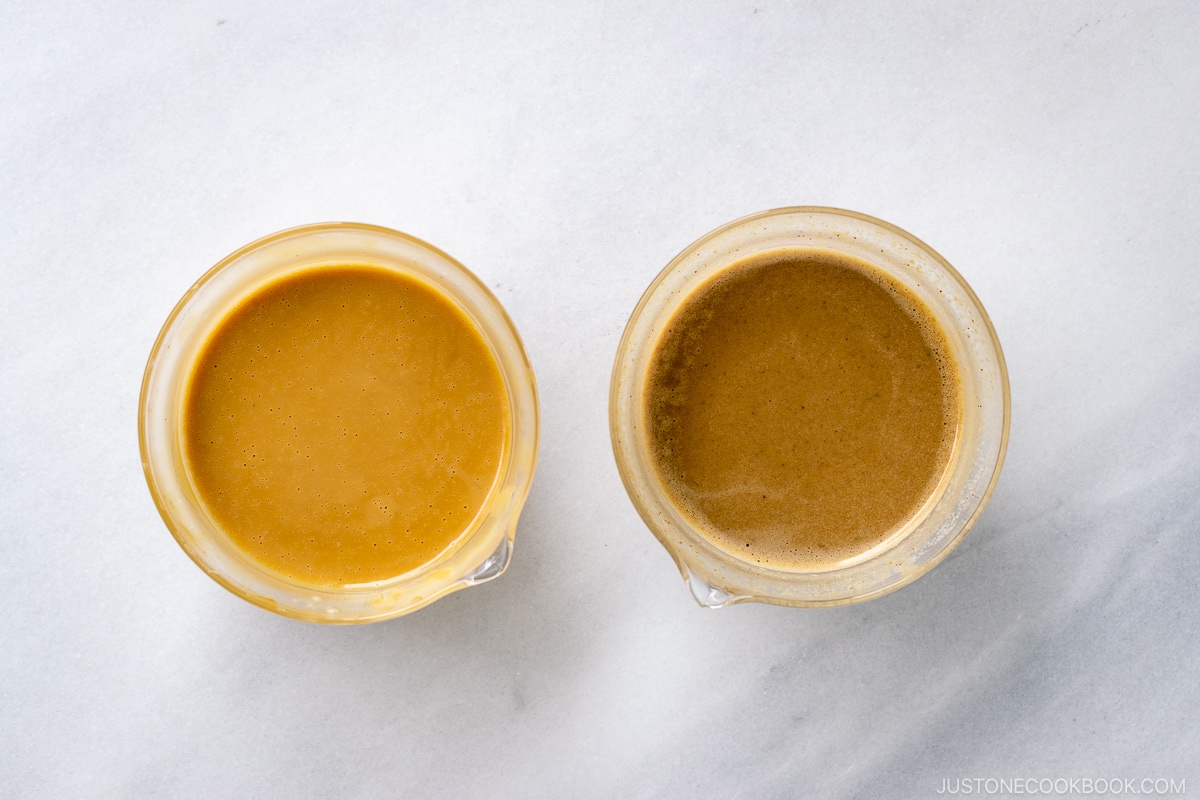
{"points": [[801, 407], [345, 424]]}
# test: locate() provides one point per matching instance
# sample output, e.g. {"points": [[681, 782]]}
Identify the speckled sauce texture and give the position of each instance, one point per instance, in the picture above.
{"points": [[801, 406]]}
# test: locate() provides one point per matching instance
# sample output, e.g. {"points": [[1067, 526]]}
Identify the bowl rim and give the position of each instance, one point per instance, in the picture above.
{"points": [[521, 489], [626, 343]]}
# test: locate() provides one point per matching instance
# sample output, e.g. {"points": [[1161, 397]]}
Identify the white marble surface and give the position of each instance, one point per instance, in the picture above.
{"points": [[565, 152]]}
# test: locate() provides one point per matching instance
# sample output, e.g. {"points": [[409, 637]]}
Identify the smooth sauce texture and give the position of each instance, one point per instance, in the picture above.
{"points": [[345, 425], [801, 407]]}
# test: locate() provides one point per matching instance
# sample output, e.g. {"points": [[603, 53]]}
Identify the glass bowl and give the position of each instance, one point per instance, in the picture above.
{"points": [[718, 578], [480, 553]]}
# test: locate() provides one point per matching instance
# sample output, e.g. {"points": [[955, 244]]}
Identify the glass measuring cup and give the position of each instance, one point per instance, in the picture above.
{"points": [[480, 553], [719, 578]]}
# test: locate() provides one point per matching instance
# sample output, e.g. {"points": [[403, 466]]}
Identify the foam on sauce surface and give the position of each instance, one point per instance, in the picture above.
{"points": [[345, 424], [801, 406]]}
